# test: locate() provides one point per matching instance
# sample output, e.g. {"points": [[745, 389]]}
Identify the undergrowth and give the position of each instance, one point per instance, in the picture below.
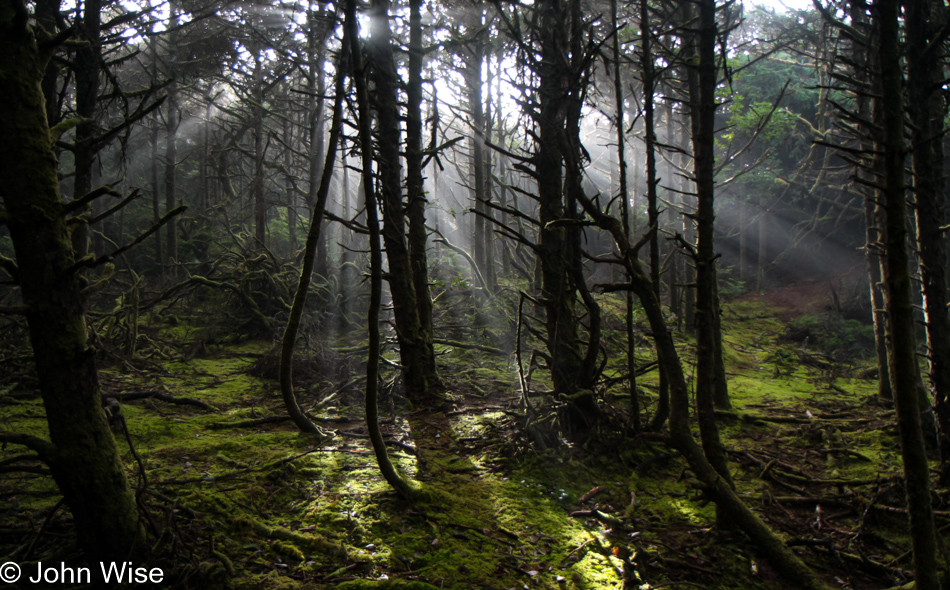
{"points": [[255, 504]]}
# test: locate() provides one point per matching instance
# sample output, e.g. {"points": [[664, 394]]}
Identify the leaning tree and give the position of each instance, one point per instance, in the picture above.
{"points": [[81, 452]]}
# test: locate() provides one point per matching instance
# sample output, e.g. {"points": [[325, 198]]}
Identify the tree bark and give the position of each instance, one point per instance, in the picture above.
{"points": [[417, 357], [289, 338], [903, 360], [387, 469], [415, 188], [82, 452], [927, 109], [702, 88]]}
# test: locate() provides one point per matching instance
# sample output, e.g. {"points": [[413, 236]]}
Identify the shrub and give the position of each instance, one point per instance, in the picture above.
{"points": [[844, 339]]}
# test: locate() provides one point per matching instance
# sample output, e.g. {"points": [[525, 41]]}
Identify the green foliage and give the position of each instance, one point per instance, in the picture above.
{"points": [[730, 286], [747, 116], [841, 338]]}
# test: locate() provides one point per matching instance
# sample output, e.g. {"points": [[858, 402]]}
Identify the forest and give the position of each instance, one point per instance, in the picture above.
{"points": [[563, 294]]}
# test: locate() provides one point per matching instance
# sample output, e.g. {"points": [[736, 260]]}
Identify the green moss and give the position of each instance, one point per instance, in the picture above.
{"points": [[281, 504], [385, 585]]}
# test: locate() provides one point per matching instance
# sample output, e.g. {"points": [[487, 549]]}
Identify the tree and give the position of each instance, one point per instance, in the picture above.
{"points": [[415, 342], [927, 109], [172, 122], [718, 488], [624, 195], [900, 310], [558, 48], [81, 453], [710, 374], [321, 194], [376, 259]]}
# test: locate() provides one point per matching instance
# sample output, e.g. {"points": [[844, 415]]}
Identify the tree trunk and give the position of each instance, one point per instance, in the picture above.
{"points": [[387, 469], [653, 219], [903, 361], [702, 87], [87, 66], [316, 87], [417, 357], [475, 62], [625, 211], [927, 110], [289, 338], [873, 213], [743, 206], [762, 259], [558, 248], [415, 189], [729, 506], [82, 452], [290, 195], [257, 123], [172, 119]]}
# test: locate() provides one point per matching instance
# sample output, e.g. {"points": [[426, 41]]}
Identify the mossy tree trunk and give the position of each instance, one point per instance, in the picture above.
{"points": [[416, 354], [386, 467], [702, 90], [415, 188], [900, 310], [562, 80], [82, 452], [717, 488]]}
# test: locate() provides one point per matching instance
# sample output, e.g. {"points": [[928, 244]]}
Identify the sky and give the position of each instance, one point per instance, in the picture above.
{"points": [[777, 4]]}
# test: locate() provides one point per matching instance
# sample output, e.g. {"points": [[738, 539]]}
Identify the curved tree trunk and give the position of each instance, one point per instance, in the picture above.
{"points": [[289, 338], [386, 466], [728, 504]]}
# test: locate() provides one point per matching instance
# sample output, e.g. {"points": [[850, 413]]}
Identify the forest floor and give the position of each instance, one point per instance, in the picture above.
{"points": [[255, 504]]}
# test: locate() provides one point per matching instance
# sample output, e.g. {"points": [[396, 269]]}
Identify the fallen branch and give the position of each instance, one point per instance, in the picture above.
{"points": [[164, 397], [247, 423], [456, 344]]}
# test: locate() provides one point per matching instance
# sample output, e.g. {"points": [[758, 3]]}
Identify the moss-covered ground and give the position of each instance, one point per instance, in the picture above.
{"points": [[251, 503]]}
